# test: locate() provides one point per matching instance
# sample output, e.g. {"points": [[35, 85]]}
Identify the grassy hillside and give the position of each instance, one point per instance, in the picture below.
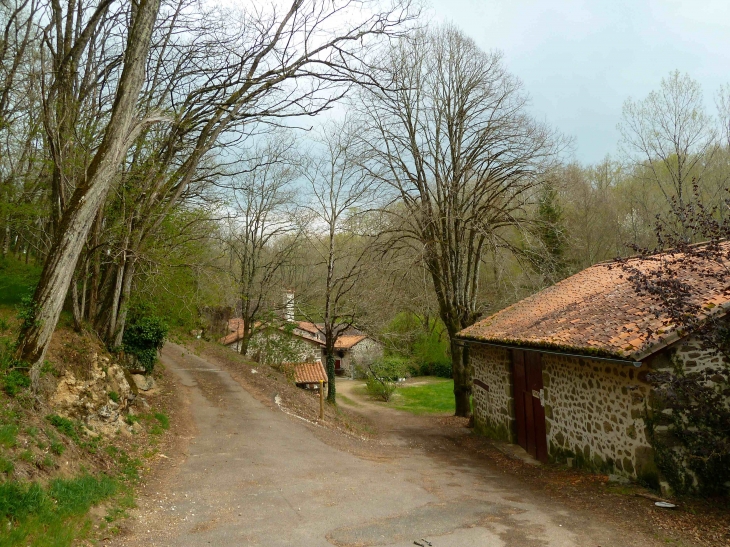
{"points": [[55, 469]]}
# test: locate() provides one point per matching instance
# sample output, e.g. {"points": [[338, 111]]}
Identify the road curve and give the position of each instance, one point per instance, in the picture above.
{"points": [[256, 476]]}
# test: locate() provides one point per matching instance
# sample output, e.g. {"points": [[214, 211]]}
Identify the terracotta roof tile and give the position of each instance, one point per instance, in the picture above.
{"points": [[348, 341], [236, 328], [596, 311], [235, 324], [309, 373]]}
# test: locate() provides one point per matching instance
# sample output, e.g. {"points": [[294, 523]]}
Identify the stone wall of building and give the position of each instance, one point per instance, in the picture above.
{"points": [[689, 355], [594, 413], [273, 347], [593, 410], [492, 393]]}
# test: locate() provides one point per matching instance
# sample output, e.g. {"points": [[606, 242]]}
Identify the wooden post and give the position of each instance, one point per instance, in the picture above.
{"points": [[321, 400]]}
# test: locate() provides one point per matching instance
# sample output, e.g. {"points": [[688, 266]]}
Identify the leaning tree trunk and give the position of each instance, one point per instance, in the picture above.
{"points": [[89, 195]]}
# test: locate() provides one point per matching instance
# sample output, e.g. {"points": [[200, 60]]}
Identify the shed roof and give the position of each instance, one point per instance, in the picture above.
{"points": [[309, 373], [598, 311]]}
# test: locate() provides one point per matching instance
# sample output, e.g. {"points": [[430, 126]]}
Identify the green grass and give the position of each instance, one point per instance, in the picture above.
{"points": [[57, 515], [16, 280], [52, 516], [64, 425], [434, 397], [345, 399], [8, 434]]}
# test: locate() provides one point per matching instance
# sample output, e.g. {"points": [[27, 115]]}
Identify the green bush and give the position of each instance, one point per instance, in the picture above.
{"points": [[14, 381], [144, 336], [425, 346], [382, 377], [442, 370]]}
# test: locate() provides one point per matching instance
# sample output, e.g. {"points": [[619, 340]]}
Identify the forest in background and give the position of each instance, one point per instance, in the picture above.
{"points": [[189, 162]]}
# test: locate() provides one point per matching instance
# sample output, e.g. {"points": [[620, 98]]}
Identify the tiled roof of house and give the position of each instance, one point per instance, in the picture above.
{"points": [[348, 341], [598, 311], [309, 373], [235, 327], [235, 324]]}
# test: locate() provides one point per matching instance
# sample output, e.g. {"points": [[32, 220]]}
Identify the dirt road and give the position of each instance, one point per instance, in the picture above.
{"points": [[253, 475]]}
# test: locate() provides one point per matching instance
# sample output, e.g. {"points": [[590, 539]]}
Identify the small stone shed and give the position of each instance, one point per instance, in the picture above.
{"points": [[564, 372], [308, 375]]}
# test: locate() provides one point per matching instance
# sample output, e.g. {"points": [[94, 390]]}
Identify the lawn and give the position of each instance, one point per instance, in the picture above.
{"points": [[435, 396]]}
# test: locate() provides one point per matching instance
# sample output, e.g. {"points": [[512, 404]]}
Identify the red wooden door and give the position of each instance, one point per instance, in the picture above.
{"points": [[529, 412], [338, 365]]}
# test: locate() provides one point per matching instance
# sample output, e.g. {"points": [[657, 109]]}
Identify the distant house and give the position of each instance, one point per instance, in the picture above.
{"points": [[564, 372], [302, 341]]}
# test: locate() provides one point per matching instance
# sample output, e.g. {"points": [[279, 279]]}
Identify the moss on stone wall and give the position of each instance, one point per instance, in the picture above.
{"points": [[498, 432]]}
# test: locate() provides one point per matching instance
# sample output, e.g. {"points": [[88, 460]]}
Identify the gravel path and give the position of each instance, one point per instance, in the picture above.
{"points": [[252, 475]]}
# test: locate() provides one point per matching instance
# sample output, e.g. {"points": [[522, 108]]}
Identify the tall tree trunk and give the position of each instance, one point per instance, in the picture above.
{"points": [[331, 389], [95, 271], [462, 378], [76, 304], [245, 339], [123, 306], [111, 326], [83, 290], [89, 195]]}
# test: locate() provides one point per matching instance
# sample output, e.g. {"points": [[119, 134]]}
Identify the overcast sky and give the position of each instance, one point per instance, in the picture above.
{"points": [[579, 60]]}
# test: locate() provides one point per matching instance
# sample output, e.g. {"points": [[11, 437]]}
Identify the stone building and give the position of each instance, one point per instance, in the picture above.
{"points": [[303, 342], [564, 372]]}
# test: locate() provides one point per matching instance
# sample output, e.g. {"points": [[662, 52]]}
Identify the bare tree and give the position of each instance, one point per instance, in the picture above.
{"points": [[89, 195], [671, 139], [255, 65], [234, 72], [723, 107], [263, 232], [453, 138], [341, 191], [21, 160]]}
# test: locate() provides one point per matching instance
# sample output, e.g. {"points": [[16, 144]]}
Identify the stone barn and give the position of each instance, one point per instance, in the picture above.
{"points": [[565, 373]]}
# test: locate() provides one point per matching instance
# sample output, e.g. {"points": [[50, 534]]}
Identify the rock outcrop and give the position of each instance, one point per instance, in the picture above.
{"points": [[100, 401]]}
